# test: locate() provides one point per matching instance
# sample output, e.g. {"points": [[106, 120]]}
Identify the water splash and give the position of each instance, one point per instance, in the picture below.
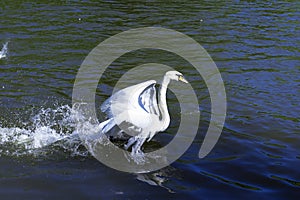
{"points": [[52, 128], [4, 51]]}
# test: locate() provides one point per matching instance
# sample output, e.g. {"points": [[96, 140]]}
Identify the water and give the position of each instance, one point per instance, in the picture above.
{"points": [[254, 44]]}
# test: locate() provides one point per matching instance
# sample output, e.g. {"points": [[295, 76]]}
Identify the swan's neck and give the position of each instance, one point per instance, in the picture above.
{"points": [[163, 107]]}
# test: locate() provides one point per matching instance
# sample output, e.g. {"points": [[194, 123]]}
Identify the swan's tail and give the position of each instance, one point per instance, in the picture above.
{"points": [[107, 125]]}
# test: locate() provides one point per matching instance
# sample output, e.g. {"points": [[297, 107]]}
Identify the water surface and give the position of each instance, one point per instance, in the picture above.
{"points": [[254, 44]]}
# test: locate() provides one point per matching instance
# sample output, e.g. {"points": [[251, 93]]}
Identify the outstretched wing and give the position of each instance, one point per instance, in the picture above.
{"points": [[140, 99], [147, 100]]}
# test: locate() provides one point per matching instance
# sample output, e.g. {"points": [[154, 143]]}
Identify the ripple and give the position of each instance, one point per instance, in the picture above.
{"points": [[286, 180], [231, 182]]}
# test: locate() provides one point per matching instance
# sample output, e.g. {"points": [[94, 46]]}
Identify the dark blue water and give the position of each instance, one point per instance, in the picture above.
{"points": [[255, 46]]}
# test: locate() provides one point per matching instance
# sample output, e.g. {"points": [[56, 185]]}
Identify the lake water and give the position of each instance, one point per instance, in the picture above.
{"points": [[255, 46]]}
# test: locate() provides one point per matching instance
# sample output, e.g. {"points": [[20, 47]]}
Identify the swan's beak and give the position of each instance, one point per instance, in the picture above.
{"points": [[182, 79]]}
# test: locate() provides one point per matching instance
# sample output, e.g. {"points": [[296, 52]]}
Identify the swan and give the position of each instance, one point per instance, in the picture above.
{"points": [[139, 106]]}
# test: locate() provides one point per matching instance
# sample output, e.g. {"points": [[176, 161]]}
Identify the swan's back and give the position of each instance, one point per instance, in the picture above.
{"points": [[138, 102]]}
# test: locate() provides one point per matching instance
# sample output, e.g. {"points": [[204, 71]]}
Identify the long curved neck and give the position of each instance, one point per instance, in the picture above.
{"points": [[165, 117]]}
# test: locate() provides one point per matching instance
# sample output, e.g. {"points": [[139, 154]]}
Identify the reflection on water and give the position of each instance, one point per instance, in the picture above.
{"points": [[254, 44]]}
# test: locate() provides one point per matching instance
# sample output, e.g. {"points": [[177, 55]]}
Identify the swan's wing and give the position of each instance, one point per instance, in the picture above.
{"points": [[147, 100], [140, 99]]}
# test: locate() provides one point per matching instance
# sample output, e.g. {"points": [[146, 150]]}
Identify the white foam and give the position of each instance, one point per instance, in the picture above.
{"points": [[4, 51], [48, 127]]}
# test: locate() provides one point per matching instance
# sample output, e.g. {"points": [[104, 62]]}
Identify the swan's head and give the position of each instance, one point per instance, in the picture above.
{"points": [[175, 75]]}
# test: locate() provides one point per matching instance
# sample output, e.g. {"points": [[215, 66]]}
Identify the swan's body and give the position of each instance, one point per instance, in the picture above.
{"points": [[139, 106]]}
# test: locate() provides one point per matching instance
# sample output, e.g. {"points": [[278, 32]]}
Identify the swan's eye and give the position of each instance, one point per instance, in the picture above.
{"points": [[179, 76]]}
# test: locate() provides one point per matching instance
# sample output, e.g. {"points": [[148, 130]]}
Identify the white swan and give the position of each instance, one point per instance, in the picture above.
{"points": [[137, 105]]}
